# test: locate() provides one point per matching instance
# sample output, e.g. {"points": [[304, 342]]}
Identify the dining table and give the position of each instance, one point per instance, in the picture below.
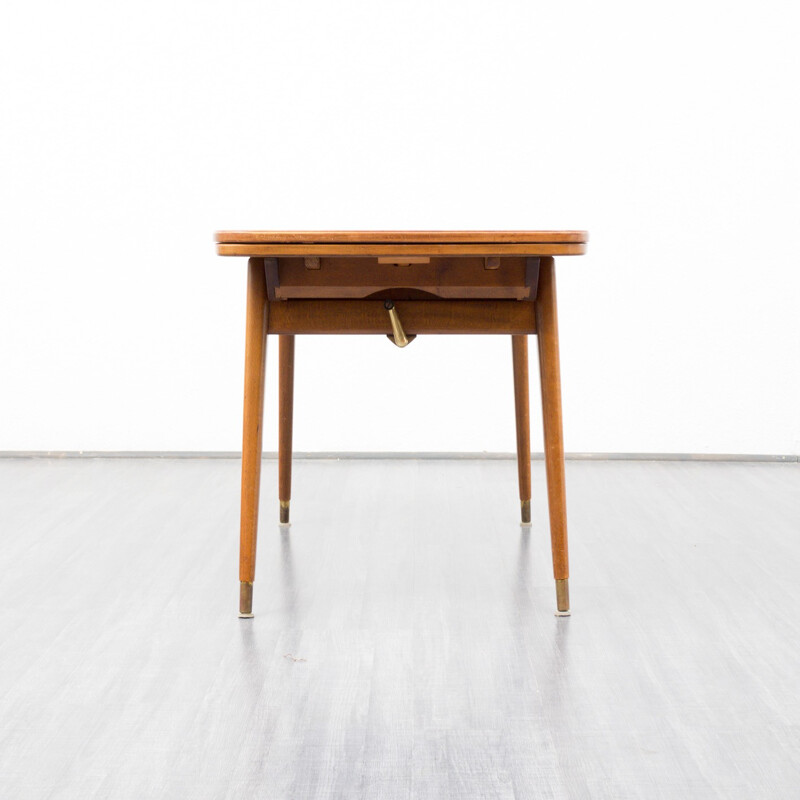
{"points": [[401, 284]]}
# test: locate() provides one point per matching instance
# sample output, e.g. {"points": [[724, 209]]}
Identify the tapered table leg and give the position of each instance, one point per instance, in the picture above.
{"points": [[550, 371], [254, 368], [285, 408], [519, 352]]}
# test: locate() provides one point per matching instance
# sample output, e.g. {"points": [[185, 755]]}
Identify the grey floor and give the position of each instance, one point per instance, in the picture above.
{"points": [[404, 643]]}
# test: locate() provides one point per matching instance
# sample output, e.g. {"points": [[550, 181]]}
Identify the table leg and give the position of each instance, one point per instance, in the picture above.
{"points": [[255, 354], [519, 352], [285, 408], [550, 371]]}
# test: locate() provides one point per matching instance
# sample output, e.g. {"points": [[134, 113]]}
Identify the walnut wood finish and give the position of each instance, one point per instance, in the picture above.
{"points": [[423, 249], [273, 281], [255, 354], [519, 351], [550, 371], [417, 316], [285, 413], [401, 237]]}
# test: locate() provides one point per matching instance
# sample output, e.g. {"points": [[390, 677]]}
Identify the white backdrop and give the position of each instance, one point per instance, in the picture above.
{"points": [[130, 133]]}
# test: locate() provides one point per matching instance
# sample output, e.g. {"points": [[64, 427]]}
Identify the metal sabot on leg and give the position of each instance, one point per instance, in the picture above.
{"points": [[284, 512], [562, 597], [526, 511], [245, 600]]}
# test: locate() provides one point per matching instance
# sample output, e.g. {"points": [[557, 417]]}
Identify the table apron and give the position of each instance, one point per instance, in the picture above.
{"points": [[417, 316]]}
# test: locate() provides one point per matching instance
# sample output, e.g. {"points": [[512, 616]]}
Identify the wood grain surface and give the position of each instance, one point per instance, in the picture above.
{"points": [[285, 415], [550, 383], [417, 316], [519, 360], [418, 249], [399, 237], [252, 428]]}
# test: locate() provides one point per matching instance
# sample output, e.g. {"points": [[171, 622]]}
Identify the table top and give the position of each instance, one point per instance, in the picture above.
{"points": [[366, 243], [399, 237]]}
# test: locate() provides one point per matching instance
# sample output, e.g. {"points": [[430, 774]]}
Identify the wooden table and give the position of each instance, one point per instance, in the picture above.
{"points": [[401, 284]]}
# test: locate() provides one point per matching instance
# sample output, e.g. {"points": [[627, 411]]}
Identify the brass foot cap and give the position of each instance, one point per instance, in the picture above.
{"points": [[245, 599], [526, 511], [562, 597], [284, 512]]}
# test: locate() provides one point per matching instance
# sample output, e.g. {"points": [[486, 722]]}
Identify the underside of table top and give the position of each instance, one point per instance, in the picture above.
{"points": [[376, 243]]}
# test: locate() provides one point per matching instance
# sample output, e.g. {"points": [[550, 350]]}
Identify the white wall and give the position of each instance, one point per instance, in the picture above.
{"points": [[131, 132]]}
